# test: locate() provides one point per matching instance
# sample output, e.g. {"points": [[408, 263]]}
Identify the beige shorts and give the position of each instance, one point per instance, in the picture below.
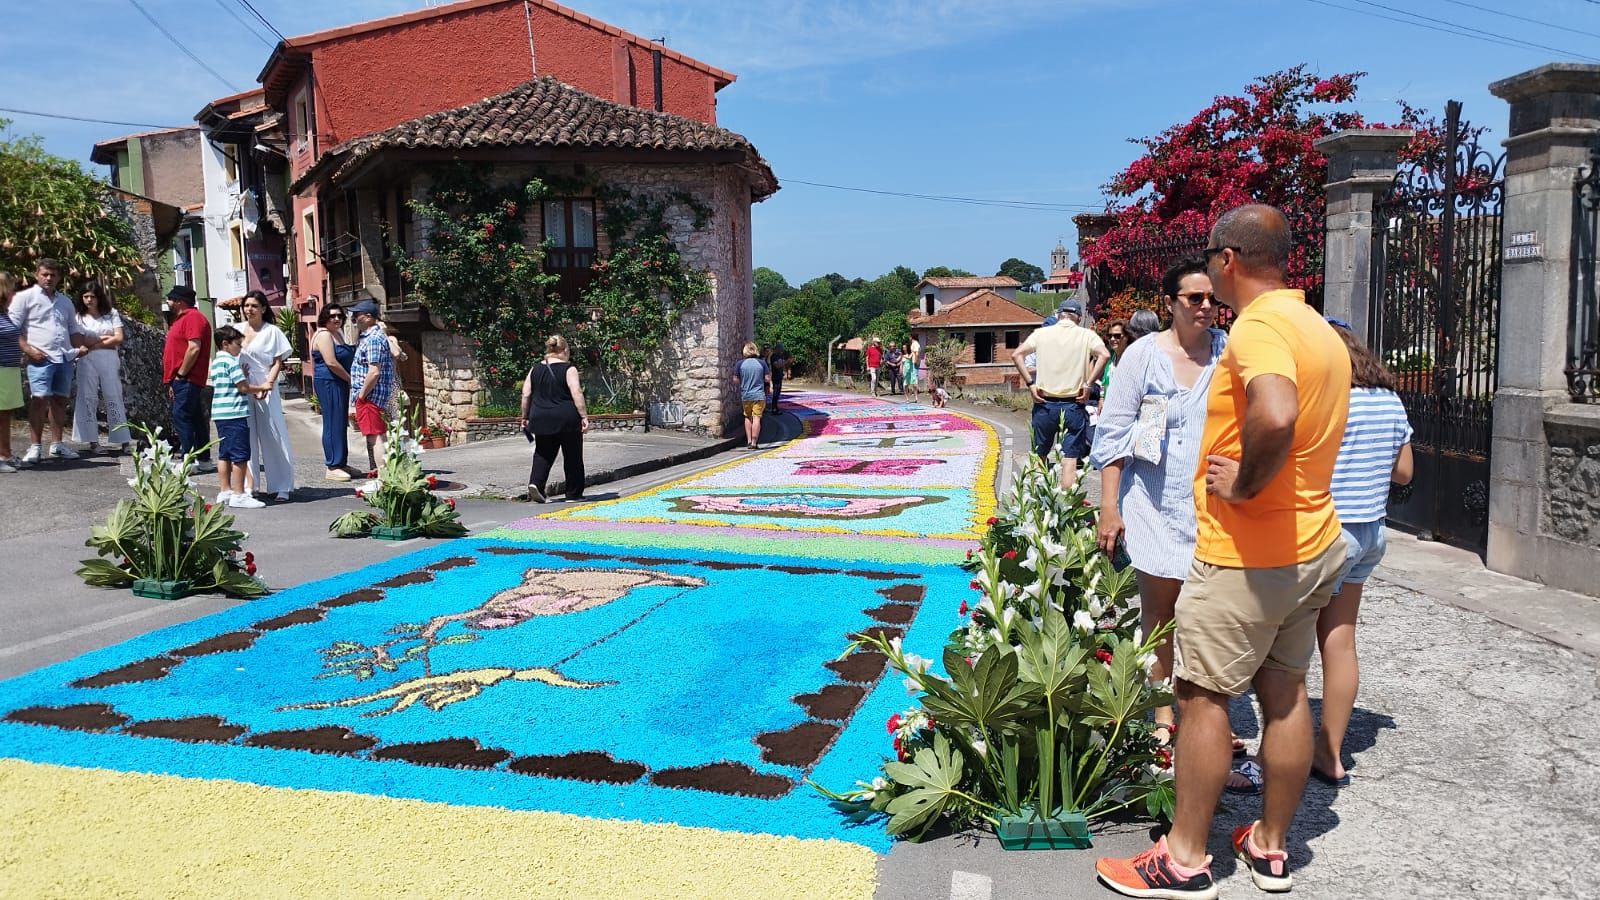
{"points": [[754, 409], [1232, 623]]}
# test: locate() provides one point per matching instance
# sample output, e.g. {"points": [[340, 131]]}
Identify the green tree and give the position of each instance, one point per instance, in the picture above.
{"points": [[1025, 273], [906, 276], [50, 207], [769, 286], [890, 326], [804, 323], [946, 272]]}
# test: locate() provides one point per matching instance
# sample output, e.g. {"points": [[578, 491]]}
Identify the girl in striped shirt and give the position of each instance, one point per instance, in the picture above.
{"points": [[1376, 450]]}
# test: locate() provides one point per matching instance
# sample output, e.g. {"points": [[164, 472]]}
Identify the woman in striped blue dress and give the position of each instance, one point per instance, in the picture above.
{"points": [[1376, 450], [1147, 447]]}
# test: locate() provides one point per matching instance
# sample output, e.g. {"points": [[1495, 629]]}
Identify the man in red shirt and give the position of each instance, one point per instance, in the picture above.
{"points": [[874, 359], [185, 365]]}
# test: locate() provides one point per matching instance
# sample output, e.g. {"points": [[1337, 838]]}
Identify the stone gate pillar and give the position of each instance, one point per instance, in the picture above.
{"points": [[1544, 518], [1361, 166]]}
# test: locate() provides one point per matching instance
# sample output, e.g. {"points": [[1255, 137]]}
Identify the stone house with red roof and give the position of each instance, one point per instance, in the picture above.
{"points": [[373, 110], [987, 324]]}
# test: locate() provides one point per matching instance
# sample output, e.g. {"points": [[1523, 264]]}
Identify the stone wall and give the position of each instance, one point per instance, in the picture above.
{"points": [[142, 389], [706, 343], [1572, 493], [450, 376]]}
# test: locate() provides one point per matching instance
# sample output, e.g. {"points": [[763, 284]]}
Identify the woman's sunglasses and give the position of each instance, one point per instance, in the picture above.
{"points": [[1116, 335], [1199, 297]]}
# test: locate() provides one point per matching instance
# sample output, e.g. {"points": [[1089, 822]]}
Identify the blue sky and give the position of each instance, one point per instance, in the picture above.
{"points": [[1029, 100]]}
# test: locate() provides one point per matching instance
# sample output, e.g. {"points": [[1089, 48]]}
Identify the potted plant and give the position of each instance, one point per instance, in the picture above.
{"points": [[403, 505], [1413, 369], [1036, 724], [433, 437], [167, 542]]}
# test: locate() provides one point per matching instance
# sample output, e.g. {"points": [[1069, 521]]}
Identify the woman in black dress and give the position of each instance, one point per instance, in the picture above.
{"points": [[555, 418]]}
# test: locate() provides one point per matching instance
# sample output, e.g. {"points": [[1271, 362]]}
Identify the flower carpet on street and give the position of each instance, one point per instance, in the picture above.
{"points": [[664, 669]]}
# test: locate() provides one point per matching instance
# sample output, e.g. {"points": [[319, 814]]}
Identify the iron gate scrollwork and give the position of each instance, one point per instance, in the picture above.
{"points": [[1435, 322]]}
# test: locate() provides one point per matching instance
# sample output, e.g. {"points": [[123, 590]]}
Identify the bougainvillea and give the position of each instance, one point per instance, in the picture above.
{"points": [[1254, 148]]}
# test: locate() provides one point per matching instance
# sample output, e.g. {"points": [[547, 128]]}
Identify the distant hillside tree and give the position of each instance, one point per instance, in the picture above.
{"points": [[1025, 273], [946, 272]]}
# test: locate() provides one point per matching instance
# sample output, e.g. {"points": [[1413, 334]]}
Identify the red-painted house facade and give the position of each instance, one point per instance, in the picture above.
{"points": [[343, 83]]}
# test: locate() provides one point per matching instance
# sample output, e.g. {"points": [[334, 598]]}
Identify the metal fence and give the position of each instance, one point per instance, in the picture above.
{"points": [[1140, 265], [1583, 312]]}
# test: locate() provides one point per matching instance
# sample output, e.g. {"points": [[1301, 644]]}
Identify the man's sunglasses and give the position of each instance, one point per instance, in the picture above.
{"points": [[1210, 252], [1199, 297]]}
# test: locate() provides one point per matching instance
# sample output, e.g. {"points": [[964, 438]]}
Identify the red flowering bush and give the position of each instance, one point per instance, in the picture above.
{"points": [[1255, 148]]}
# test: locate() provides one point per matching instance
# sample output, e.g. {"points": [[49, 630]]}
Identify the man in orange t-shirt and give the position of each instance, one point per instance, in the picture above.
{"points": [[1267, 558]]}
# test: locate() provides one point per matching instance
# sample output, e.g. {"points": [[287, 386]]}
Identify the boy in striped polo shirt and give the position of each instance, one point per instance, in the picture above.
{"points": [[230, 413]]}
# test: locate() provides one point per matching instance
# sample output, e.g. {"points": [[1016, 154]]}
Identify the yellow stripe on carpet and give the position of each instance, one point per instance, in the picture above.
{"points": [[73, 832]]}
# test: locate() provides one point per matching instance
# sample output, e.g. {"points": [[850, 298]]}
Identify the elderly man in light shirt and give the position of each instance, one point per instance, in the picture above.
{"points": [[52, 341], [1068, 359]]}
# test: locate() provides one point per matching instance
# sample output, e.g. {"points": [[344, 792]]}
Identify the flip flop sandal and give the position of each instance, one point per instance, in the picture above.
{"points": [[1329, 780], [1250, 771]]}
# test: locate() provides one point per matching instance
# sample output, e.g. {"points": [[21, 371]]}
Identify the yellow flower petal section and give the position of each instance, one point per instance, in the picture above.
{"points": [[74, 832]]}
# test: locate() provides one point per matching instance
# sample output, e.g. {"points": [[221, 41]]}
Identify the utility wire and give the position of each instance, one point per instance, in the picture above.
{"points": [[179, 44], [263, 19], [242, 23], [1448, 28], [942, 198], [45, 115], [1507, 15]]}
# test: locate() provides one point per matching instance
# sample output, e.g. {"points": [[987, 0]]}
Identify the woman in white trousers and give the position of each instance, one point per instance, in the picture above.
{"points": [[99, 374], [265, 350]]}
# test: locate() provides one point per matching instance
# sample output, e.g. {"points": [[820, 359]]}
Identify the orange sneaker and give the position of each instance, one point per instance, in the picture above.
{"points": [[1155, 874], [1270, 871]]}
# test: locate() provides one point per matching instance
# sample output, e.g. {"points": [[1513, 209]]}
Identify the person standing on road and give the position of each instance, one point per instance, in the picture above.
{"points": [[1268, 554], [331, 358], [371, 381], [10, 372], [100, 371], [874, 360], [908, 371], [1375, 452], [778, 362], [265, 349], [185, 366], [230, 413], [1069, 358], [555, 417], [753, 379], [51, 341], [891, 368], [1147, 446]]}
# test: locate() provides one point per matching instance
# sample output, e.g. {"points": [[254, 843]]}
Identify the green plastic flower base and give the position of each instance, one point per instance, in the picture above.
{"points": [[1065, 831], [160, 590], [394, 532]]}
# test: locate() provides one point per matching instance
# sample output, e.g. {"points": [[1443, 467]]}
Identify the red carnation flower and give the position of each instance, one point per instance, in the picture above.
{"points": [[893, 725], [969, 554], [208, 507], [963, 609], [432, 482], [1009, 554], [372, 473], [360, 494], [1103, 655], [249, 568], [973, 584], [249, 557], [971, 662], [993, 520], [450, 502]]}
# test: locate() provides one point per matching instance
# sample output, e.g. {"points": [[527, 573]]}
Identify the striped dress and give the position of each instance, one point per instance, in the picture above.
{"points": [[1373, 435], [1157, 499]]}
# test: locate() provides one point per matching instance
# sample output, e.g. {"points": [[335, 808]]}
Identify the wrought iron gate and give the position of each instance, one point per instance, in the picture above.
{"points": [[1436, 257]]}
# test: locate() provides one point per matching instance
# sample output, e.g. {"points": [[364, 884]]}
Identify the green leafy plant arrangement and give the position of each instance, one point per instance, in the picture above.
{"points": [[404, 502], [1040, 710], [167, 532]]}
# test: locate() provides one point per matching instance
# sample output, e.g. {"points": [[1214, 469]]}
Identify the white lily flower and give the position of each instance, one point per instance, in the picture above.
{"points": [[1096, 739], [980, 746], [1097, 608], [912, 687], [1138, 634], [917, 663], [1147, 661], [1083, 622], [894, 644], [880, 783]]}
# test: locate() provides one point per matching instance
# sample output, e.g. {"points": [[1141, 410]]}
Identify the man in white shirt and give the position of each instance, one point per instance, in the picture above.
{"points": [[52, 341], [1069, 358]]}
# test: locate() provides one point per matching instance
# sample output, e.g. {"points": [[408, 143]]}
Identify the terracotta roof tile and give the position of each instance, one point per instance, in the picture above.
{"points": [[981, 307], [976, 281], [545, 112]]}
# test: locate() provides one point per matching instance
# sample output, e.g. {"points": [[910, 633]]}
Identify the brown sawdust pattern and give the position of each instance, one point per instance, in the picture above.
{"points": [[193, 730], [725, 778], [456, 753], [585, 766]]}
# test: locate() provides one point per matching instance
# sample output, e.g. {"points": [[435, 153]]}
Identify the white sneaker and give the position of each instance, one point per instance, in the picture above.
{"points": [[244, 501], [7, 466], [32, 456], [370, 487], [62, 451], [223, 497]]}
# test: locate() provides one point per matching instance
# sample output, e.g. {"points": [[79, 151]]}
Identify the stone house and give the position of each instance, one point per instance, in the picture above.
{"points": [[988, 325], [371, 109]]}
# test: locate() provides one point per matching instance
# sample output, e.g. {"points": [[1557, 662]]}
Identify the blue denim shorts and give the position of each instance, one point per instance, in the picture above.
{"points": [[51, 379], [233, 440], [1365, 543]]}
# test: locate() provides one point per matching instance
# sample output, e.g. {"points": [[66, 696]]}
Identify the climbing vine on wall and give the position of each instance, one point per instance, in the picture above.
{"points": [[484, 279]]}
